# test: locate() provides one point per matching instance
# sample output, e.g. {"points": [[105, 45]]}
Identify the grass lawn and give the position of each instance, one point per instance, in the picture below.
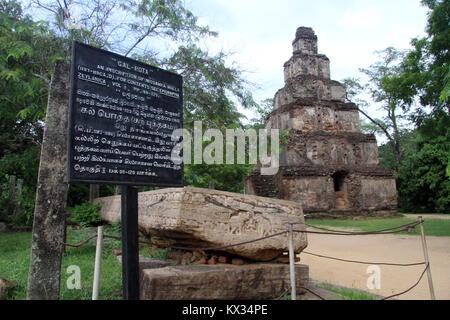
{"points": [[341, 293], [433, 227], [15, 260], [349, 294]]}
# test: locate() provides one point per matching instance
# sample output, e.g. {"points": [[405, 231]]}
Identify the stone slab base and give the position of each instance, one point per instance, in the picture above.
{"points": [[147, 263], [221, 282]]}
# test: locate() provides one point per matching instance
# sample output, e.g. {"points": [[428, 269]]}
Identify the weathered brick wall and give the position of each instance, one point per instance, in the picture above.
{"points": [[378, 193], [309, 117]]}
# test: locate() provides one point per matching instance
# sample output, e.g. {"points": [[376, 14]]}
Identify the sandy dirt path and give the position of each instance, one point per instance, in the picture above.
{"points": [[415, 216], [381, 248]]}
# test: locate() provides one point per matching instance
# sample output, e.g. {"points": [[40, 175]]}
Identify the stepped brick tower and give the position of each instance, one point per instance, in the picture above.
{"points": [[328, 165]]}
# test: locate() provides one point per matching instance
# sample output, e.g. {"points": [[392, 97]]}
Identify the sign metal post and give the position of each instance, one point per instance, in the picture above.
{"points": [[130, 244]]}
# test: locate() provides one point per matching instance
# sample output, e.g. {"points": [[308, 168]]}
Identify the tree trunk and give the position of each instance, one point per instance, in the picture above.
{"points": [[11, 195], [94, 192]]}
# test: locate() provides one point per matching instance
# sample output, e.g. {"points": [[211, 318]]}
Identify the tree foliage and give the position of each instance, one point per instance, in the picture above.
{"points": [[384, 86], [263, 109], [209, 85], [413, 87], [27, 50], [385, 151], [163, 33], [427, 65], [162, 19], [422, 181]]}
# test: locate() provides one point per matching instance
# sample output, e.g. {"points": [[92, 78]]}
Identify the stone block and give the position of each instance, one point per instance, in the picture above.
{"points": [[3, 227], [300, 65], [378, 193], [148, 263], [221, 282], [338, 92], [194, 217]]}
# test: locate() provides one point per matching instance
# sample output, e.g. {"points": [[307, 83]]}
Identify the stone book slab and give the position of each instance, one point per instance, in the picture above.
{"points": [[199, 218]]}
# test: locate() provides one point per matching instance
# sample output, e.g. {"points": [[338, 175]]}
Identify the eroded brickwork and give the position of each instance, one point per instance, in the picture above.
{"points": [[328, 165]]}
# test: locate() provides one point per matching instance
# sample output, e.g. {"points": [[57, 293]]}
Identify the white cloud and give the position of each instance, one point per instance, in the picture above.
{"points": [[367, 18]]}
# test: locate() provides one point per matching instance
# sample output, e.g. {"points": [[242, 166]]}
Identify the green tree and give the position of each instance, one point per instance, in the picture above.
{"points": [[386, 156], [167, 19], [422, 182], [126, 26], [263, 110], [427, 66], [163, 33], [226, 177], [421, 155], [160, 32], [210, 87], [384, 87], [27, 50]]}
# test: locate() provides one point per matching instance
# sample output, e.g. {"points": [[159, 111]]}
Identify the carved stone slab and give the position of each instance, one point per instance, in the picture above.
{"points": [[201, 218]]}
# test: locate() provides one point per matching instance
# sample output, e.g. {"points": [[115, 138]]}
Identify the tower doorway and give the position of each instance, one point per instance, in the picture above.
{"points": [[340, 190]]}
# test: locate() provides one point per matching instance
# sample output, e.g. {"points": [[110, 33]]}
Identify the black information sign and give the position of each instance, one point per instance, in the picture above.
{"points": [[122, 115]]}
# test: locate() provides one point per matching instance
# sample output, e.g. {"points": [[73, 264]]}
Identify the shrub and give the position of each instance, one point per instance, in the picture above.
{"points": [[23, 212], [86, 214]]}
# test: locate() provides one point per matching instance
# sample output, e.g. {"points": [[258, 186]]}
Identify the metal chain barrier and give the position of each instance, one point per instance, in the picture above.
{"points": [[364, 262], [406, 227], [410, 288]]}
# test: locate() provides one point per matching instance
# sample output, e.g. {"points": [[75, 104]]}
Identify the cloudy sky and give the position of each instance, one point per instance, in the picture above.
{"points": [[260, 32]]}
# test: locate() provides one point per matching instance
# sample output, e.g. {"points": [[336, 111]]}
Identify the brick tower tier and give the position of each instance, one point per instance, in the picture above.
{"points": [[328, 165]]}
